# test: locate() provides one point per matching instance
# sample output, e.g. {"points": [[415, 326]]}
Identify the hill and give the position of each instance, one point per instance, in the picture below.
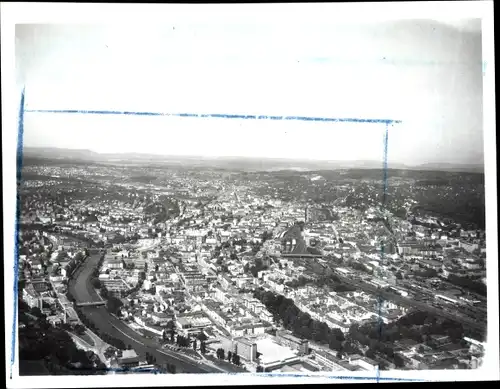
{"points": [[35, 155]]}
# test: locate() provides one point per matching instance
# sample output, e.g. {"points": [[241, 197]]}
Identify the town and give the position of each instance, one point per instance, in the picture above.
{"points": [[213, 270]]}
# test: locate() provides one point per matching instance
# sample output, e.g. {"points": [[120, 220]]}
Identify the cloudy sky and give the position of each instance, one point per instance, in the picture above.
{"points": [[427, 74]]}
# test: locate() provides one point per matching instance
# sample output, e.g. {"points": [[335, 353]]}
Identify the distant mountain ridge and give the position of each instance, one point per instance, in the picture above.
{"points": [[244, 163]]}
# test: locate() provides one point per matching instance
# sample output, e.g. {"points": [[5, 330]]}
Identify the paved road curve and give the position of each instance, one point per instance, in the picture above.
{"points": [[82, 291]]}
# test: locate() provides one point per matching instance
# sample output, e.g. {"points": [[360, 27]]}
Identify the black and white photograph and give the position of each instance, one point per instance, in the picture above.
{"points": [[272, 190]]}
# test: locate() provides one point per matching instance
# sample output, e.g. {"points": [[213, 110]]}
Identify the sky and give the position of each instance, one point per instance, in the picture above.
{"points": [[425, 73]]}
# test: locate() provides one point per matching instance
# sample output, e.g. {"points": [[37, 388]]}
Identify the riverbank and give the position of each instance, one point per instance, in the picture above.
{"points": [[82, 291]]}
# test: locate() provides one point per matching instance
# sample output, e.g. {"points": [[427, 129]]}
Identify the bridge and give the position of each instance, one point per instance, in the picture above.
{"points": [[301, 256], [91, 304]]}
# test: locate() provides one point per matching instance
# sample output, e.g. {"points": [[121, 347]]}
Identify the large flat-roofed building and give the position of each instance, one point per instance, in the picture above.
{"points": [[286, 339], [273, 356]]}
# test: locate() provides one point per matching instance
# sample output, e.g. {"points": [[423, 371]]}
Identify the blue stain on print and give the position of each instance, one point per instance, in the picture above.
{"points": [[19, 166], [221, 116]]}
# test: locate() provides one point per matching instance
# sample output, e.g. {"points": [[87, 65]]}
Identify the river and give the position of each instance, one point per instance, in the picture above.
{"points": [[81, 289]]}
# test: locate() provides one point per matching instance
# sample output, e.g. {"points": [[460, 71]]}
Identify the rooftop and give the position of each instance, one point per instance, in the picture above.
{"points": [[272, 352]]}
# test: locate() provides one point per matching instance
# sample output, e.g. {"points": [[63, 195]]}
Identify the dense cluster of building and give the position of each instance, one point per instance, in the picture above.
{"points": [[194, 270]]}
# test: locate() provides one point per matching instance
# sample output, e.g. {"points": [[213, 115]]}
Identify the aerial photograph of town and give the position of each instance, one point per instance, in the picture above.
{"points": [[217, 269], [237, 243]]}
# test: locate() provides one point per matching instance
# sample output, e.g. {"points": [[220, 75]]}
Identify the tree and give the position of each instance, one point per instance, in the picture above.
{"points": [[96, 283], [370, 353], [334, 344], [398, 360], [114, 304], [236, 359], [202, 337], [79, 329], [78, 257], [170, 329], [338, 334]]}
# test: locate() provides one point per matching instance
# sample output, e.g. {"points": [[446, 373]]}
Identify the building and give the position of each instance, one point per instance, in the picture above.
{"points": [[274, 356], [430, 264], [161, 318], [409, 248], [32, 297], [363, 362], [332, 322], [228, 344], [128, 359], [246, 349], [192, 324], [192, 279], [286, 339], [115, 286], [151, 330], [114, 263], [71, 316], [468, 246], [56, 319], [328, 360]]}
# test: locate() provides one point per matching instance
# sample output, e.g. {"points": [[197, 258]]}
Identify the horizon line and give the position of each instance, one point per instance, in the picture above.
{"points": [[158, 158]]}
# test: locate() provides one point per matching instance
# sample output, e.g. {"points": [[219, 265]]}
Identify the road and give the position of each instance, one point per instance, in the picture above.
{"points": [[99, 351], [82, 291], [412, 303]]}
